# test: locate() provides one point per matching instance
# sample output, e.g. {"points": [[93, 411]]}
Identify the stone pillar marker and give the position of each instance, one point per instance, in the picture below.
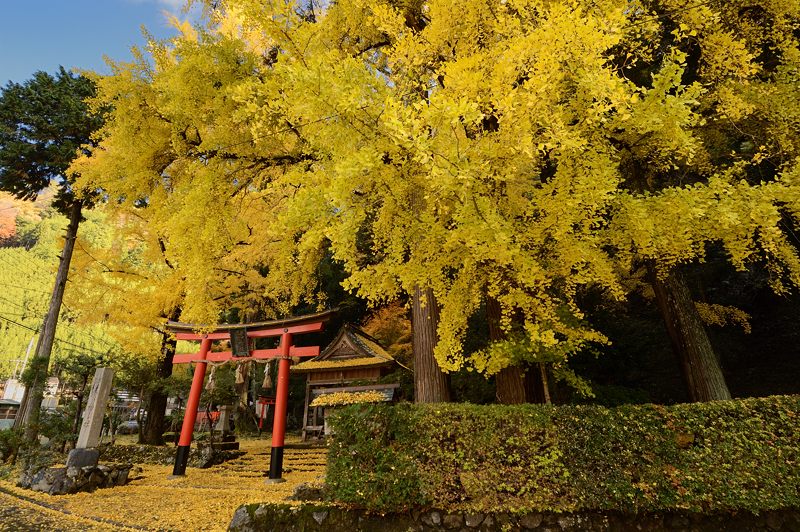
{"points": [[85, 453], [224, 422], [227, 440]]}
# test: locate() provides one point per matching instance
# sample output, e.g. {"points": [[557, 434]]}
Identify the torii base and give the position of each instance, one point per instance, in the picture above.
{"points": [[275, 466], [181, 459]]}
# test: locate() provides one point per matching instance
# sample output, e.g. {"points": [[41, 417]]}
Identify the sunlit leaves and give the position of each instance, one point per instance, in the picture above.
{"points": [[517, 149]]}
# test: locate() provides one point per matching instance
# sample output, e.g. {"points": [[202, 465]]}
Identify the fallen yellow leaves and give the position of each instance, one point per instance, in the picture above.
{"points": [[204, 499], [338, 364], [18, 514], [348, 398]]}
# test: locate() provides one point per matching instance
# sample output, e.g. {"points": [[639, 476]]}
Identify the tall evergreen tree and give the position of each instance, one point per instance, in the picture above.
{"points": [[44, 123]]}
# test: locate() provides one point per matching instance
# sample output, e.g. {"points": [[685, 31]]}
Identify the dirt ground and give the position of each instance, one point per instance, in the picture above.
{"points": [[204, 499]]}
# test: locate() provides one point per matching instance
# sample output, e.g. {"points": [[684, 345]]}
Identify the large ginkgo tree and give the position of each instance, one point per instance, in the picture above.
{"points": [[505, 152]]}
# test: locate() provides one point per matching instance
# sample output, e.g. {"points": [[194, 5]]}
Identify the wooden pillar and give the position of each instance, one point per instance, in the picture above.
{"points": [[190, 415], [281, 402], [305, 409]]}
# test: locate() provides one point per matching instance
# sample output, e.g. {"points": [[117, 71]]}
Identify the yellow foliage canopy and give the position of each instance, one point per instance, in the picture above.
{"points": [[517, 149]]}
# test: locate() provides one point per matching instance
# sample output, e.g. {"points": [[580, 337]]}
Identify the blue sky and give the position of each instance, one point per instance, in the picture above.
{"points": [[43, 34]]}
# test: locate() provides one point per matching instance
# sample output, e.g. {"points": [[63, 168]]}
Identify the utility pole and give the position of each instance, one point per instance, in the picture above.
{"points": [[41, 361]]}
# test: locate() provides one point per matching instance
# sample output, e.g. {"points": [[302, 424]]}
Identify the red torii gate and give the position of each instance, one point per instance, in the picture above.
{"points": [[241, 336]]}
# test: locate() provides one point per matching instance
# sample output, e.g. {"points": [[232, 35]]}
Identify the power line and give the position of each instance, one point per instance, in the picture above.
{"points": [[66, 307], [59, 340], [3, 259], [27, 288], [25, 258], [65, 324], [49, 294], [103, 341], [10, 302], [15, 314], [18, 324]]}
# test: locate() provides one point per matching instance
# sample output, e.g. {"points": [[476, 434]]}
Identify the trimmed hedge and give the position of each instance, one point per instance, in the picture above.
{"points": [[718, 456]]}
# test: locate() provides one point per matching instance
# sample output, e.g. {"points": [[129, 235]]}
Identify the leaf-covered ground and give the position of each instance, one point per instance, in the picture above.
{"points": [[204, 499]]}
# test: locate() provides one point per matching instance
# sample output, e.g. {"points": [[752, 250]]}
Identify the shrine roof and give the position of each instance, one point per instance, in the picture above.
{"points": [[176, 326], [352, 348]]}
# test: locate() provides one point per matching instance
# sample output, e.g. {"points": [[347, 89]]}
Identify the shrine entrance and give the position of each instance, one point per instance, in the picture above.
{"points": [[241, 337]]}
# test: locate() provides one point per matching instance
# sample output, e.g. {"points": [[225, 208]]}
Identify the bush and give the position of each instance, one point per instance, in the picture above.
{"points": [[718, 456], [56, 425], [10, 442], [366, 466]]}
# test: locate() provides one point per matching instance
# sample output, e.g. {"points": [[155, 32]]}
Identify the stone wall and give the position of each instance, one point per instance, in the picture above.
{"points": [[201, 456], [308, 517], [63, 480]]}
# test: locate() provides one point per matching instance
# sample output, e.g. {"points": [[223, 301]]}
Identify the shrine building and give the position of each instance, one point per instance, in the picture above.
{"points": [[353, 363]]}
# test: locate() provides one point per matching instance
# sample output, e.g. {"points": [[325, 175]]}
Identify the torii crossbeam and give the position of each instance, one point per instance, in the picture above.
{"points": [[241, 336]]}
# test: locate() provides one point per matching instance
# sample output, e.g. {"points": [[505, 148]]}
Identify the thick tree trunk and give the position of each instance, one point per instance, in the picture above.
{"points": [[699, 363], [41, 361], [534, 386], [510, 384], [153, 433], [431, 385], [510, 381]]}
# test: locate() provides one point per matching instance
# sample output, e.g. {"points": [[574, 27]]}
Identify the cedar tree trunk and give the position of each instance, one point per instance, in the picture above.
{"points": [[510, 381], [41, 361], [534, 386], [699, 363], [431, 385]]}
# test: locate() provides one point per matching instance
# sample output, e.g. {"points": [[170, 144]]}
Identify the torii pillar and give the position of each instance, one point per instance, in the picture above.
{"points": [[241, 336]]}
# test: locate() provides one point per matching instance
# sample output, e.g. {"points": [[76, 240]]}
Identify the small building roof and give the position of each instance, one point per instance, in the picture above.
{"points": [[352, 348]]}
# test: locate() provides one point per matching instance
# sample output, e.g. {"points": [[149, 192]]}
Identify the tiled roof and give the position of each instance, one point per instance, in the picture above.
{"points": [[352, 348]]}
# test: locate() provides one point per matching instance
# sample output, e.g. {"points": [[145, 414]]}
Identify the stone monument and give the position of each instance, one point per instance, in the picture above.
{"points": [[82, 473], [85, 452], [226, 441]]}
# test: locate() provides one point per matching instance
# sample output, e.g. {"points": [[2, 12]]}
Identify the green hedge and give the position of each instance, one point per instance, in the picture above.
{"points": [[718, 456]]}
